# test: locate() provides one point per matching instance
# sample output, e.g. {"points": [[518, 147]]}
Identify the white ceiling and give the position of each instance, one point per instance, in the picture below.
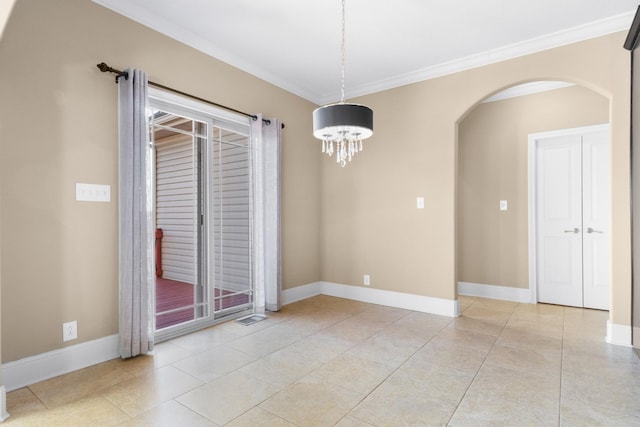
{"points": [[295, 44]]}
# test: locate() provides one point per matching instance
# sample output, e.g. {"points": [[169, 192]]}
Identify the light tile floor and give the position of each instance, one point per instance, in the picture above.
{"points": [[329, 361]]}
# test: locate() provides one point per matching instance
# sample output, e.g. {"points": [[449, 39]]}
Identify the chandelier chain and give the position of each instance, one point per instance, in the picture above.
{"points": [[343, 50], [342, 126]]}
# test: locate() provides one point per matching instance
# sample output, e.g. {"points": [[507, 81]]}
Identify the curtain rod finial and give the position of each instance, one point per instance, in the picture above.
{"points": [[106, 69], [103, 67]]}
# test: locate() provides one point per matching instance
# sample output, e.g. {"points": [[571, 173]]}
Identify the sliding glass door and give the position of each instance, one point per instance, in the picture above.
{"points": [[230, 219], [203, 210], [180, 294]]}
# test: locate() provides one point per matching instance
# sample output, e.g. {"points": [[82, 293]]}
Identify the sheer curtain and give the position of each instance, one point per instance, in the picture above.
{"points": [[135, 216], [266, 141]]}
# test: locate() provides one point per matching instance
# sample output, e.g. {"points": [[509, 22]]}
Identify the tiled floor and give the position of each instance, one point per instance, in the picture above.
{"points": [[328, 361]]}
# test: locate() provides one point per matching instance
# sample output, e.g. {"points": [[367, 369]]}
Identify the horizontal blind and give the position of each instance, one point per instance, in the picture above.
{"points": [[176, 207], [230, 208]]}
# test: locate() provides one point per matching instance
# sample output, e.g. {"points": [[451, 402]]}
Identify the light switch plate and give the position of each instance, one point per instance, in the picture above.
{"points": [[93, 192], [420, 202], [504, 205]]}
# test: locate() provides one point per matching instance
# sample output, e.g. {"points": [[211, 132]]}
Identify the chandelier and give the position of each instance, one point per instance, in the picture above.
{"points": [[342, 126]]}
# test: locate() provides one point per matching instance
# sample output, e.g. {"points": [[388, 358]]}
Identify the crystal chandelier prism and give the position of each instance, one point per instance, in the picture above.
{"points": [[342, 126]]}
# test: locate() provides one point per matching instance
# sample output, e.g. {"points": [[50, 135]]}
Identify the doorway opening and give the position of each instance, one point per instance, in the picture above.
{"points": [[492, 212], [203, 210]]}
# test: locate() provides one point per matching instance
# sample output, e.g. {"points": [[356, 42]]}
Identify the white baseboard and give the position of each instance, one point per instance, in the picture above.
{"points": [[618, 334], [494, 292], [301, 292], [30, 370], [441, 306], [3, 404]]}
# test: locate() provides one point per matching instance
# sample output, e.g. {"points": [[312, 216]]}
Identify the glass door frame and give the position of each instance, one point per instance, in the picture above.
{"points": [[212, 118]]}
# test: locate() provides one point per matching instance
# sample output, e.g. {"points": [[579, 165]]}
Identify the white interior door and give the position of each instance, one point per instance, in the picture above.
{"points": [[595, 214], [572, 217], [559, 214]]}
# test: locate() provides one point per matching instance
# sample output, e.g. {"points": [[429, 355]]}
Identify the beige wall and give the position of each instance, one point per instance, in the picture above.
{"points": [[493, 166], [5, 12], [58, 124], [369, 216]]}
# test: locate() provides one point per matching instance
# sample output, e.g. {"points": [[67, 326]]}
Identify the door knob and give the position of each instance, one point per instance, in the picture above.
{"points": [[591, 230], [574, 231]]}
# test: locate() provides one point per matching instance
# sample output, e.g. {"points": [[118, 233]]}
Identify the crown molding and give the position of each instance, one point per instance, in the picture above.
{"points": [[594, 29], [561, 38]]}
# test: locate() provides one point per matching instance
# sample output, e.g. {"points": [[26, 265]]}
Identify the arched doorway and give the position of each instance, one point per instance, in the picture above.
{"points": [[493, 256]]}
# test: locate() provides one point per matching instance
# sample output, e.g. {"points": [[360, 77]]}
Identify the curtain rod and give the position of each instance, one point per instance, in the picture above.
{"points": [[107, 69]]}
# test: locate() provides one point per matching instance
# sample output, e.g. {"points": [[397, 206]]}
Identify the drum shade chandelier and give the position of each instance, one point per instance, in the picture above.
{"points": [[342, 126]]}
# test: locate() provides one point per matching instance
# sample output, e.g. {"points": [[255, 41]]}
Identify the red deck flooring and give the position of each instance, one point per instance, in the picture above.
{"points": [[171, 294]]}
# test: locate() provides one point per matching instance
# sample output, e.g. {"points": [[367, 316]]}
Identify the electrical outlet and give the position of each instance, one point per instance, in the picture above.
{"points": [[366, 280], [70, 330]]}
